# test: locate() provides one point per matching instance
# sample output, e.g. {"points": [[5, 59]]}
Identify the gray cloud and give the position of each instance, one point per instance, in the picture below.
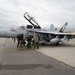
{"points": [[46, 12]]}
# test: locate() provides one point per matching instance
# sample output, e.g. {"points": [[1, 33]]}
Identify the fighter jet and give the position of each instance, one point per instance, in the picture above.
{"points": [[35, 29]]}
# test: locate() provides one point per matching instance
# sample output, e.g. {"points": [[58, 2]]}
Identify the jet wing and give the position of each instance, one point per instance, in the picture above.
{"points": [[69, 35]]}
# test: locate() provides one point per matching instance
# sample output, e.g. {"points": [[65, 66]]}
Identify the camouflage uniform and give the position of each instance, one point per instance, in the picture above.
{"points": [[36, 42]]}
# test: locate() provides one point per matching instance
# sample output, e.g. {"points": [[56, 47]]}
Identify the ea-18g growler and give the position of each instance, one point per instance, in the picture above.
{"points": [[45, 36]]}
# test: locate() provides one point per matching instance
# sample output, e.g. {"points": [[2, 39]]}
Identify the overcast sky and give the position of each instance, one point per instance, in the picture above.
{"points": [[46, 12]]}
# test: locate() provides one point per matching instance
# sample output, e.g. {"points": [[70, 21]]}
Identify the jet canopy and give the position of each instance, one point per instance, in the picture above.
{"points": [[31, 20]]}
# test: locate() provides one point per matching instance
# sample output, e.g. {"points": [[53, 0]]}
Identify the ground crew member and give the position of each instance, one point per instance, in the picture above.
{"points": [[20, 40], [36, 42], [29, 38]]}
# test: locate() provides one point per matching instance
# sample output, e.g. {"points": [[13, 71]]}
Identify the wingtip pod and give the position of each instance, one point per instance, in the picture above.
{"points": [[66, 23]]}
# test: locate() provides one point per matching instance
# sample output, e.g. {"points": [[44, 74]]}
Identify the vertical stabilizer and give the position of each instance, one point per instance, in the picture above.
{"points": [[51, 27], [63, 27]]}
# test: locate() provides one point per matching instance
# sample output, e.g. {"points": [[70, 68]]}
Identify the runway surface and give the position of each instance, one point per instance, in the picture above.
{"points": [[21, 61]]}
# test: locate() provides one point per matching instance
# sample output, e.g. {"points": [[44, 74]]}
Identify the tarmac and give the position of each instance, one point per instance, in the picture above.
{"points": [[64, 53], [2, 43], [60, 54]]}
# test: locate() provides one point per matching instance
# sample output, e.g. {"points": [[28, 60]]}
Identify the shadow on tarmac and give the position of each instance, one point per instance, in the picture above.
{"points": [[60, 45], [26, 66]]}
